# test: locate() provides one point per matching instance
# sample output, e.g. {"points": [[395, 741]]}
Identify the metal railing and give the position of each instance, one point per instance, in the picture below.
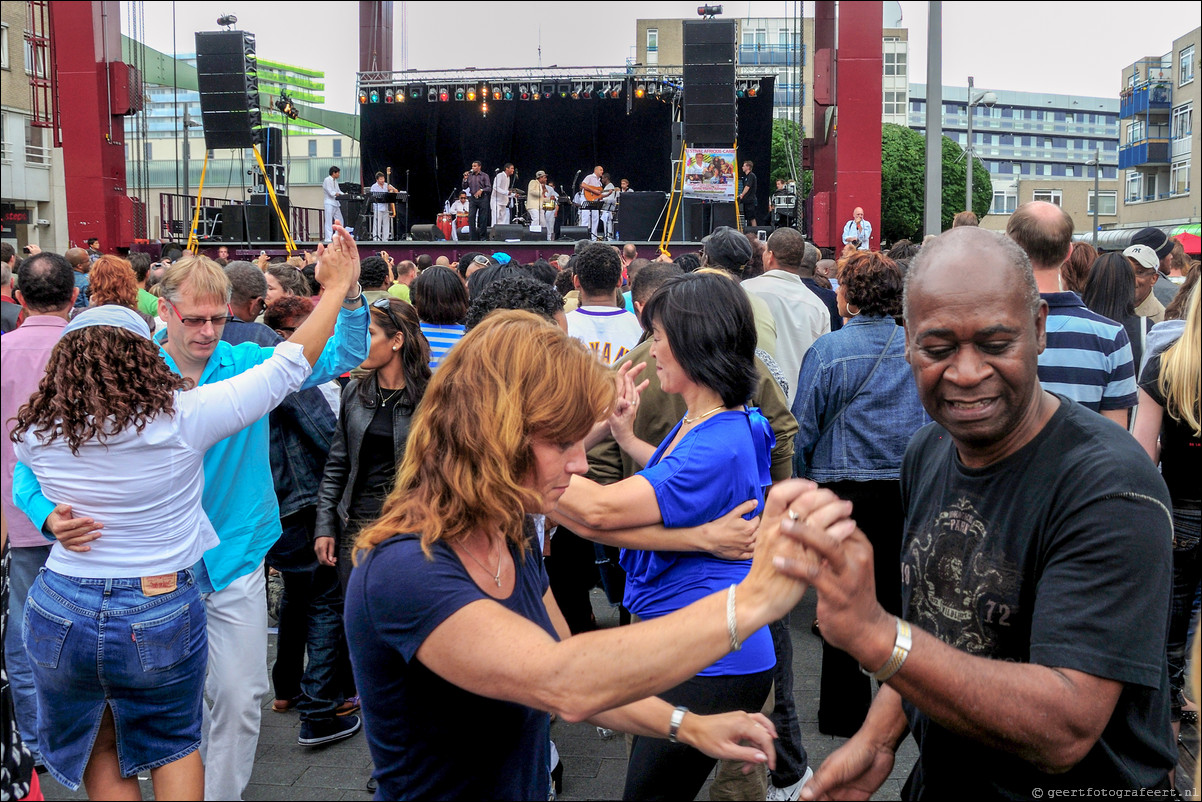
{"points": [[176, 213], [36, 154]]}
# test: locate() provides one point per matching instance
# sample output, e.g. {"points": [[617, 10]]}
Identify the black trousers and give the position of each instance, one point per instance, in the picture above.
{"points": [[659, 769], [478, 216], [846, 693]]}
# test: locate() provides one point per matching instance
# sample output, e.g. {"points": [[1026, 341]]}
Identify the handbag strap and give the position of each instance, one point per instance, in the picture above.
{"points": [[863, 384]]}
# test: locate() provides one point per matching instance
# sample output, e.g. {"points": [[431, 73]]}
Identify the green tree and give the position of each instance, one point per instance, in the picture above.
{"points": [[903, 183], [785, 138]]}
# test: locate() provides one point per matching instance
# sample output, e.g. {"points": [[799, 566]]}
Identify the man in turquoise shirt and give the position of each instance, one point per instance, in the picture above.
{"points": [[239, 498]]}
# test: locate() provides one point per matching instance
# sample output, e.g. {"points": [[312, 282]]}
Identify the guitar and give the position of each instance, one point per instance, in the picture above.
{"points": [[592, 193], [388, 183]]}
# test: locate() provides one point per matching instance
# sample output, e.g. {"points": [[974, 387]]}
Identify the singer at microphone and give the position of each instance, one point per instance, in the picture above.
{"points": [[857, 230]]}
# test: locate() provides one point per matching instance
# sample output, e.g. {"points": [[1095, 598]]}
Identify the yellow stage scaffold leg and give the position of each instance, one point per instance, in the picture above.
{"points": [[193, 241]]}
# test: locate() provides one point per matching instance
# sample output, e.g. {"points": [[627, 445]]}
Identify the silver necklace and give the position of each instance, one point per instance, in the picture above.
{"points": [[496, 576], [704, 415]]}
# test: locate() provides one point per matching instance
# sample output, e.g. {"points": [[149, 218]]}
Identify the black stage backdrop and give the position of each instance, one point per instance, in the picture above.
{"points": [[436, 142]]}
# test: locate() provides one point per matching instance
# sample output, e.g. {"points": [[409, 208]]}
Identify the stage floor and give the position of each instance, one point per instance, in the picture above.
{"points": [[522, 252]]}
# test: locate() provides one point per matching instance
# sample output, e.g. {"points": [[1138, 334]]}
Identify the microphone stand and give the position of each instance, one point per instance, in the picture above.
{"points": [[405, 231]]}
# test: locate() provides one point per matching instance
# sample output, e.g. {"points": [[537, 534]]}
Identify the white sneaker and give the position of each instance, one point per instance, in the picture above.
{"points": [[789, 793]]}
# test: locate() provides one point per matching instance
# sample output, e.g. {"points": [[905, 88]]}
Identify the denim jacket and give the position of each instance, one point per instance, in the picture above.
{"points": [[867, 441]]}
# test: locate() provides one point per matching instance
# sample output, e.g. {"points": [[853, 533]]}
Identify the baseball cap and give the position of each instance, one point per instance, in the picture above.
{"points": [[1155, 239], [1143, 255], [539, 174], [727, 248]]}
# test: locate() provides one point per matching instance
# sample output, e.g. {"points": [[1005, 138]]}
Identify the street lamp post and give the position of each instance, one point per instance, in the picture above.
{"points": [[988, 98], [1096, 161]]}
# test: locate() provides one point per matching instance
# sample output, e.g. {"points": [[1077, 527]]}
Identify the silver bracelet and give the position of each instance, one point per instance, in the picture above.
{"points": [[732, 624], [358, 296], [674, 723]]}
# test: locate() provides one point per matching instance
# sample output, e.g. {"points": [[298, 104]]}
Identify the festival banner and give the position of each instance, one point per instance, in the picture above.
{"points": [[710, 173]]}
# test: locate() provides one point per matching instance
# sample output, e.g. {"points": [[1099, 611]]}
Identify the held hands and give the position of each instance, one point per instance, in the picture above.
{"points": [[72, 533], [781, 560], [338, 265]]}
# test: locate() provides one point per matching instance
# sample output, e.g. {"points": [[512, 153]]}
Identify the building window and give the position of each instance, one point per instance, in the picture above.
{"points": [[148, 151], [895, 63], [1055, 196], [652, 40], [4, 46], [1069, 171], [1183, 121], [35, 60], [1185, 70], [1004, 201], [337, 148], [894, 103], [755, 37], [1135, 186], [1135, 131], [312, 148], [1179, 178], [1107, 202]]}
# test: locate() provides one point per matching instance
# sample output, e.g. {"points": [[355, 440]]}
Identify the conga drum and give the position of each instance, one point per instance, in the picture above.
{"points": [[461, 223], [445, 222]]}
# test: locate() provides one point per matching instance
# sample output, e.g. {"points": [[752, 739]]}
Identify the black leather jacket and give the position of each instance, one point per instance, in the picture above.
{"points": [[342, 466]]}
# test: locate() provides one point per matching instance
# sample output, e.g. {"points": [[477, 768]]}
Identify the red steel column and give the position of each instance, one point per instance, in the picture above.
{"points": [[93, 137], [847, 75], [375, 35]]}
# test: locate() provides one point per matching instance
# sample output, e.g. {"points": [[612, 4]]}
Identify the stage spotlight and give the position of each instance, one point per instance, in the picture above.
{"points": [[286, 106], [444, 94], [374, 96], [388, 95], [226, 20], [471, 94], [362, 95], [640, 90], [400, 95], [564, 91], [508, 92], [577, 90], [524, 92], [415, 92], [497, 94], [753, 89], [587, 92], [548, 91], [709, 12], [432, 94], [615, 91], [460, 93]]}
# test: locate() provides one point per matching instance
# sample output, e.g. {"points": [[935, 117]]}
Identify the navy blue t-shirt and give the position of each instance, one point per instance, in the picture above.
{"points": [[430, 739]]}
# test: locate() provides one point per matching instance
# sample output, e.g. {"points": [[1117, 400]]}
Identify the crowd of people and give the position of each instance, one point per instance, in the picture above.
{"points": [[438, 462]]}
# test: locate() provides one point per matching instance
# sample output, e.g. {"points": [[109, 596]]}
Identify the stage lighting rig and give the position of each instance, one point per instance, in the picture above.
{"points": [[288, 108], [388, 96], [709, 12], [227, 20], [640, 90]]}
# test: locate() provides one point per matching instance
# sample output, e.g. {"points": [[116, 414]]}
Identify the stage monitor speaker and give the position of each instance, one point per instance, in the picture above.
{"points": [[701, 218], [352, 209], [573, 233], [244, 222], [227, 81], [426, 233], [638, 215], [276, 231], [507, 233]]}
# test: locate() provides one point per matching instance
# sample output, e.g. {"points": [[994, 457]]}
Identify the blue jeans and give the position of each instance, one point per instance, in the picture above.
{"points": [[22, 571], [1187, 570], [791, 758]]}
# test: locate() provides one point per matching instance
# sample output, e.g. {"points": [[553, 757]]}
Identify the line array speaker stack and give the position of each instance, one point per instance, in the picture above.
{"points": [[710, 113], [228, 81]]}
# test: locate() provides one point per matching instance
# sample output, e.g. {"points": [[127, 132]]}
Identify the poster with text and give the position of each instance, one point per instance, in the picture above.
{"points": [[709, 174]]}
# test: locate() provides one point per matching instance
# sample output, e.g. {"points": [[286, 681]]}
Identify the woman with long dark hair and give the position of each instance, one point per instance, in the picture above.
{"points": [[116, 629], [373, 427], [1110, 291], [856, 408]]}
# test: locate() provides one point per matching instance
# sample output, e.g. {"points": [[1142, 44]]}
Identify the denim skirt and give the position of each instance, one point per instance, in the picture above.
{"points": [[97, 642]]}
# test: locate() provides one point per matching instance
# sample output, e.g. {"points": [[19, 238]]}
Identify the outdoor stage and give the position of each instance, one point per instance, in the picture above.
{"points": [[521, 252]]}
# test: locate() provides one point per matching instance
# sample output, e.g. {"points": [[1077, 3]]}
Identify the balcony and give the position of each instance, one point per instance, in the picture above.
{"points": [[1145, 99], [1144, 152], [768, 55]]}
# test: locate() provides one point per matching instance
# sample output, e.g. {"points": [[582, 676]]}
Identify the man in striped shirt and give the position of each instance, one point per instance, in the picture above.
{"points": [[1087, 357]]}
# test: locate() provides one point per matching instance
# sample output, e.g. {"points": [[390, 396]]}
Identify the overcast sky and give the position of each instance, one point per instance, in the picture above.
{"points": [[1063, 48]]}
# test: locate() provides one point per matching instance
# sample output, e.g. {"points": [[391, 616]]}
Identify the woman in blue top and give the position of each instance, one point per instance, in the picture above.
{"points": [[716, 458], [856, 408]]}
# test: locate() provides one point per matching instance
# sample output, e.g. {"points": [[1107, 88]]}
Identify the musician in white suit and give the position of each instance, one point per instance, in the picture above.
{"points": [[500, 196]]}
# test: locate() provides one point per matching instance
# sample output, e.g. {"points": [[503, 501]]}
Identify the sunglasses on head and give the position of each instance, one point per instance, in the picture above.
{"points": [[385, 306]]}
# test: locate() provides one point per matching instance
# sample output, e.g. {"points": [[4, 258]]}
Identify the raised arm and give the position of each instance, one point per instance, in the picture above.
{"points": [[346, 316]]}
